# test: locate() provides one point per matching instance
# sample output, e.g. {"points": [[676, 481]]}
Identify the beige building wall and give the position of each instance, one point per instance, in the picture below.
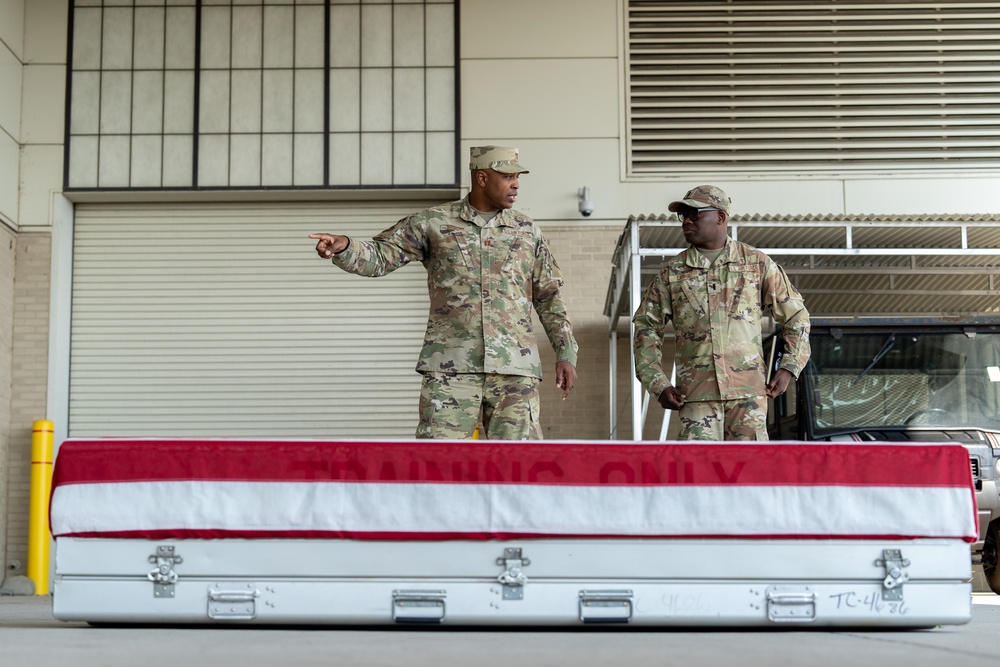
{"points": [[43, 102], [555, 89], [32, 71], [29, 373], [7, 252], [11, 73]]}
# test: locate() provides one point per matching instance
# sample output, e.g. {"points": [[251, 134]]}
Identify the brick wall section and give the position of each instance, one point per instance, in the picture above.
{"points": [[29, 373], [8, 246], [584, 255]]}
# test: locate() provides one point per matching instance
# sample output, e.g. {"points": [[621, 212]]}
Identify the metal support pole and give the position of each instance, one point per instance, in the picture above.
{"points": [[39, 534], [613, 372], [635, 296]]}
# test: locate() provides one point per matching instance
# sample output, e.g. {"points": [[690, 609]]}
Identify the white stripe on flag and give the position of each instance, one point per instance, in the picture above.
{"points": [[500, 508]]}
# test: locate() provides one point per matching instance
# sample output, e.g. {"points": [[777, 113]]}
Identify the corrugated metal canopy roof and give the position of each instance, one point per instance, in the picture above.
{"points": [[849, 264]]}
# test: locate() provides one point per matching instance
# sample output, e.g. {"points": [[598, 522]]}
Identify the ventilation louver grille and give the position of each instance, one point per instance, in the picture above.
{"points": [[753, 86]]}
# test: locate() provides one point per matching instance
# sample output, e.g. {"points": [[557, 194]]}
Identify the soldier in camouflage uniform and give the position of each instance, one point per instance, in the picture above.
{"points": [[714, 294], [487, 266]]}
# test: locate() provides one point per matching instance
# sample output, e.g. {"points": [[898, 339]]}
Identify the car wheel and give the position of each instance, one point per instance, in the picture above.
{"points": [[990, 554]]}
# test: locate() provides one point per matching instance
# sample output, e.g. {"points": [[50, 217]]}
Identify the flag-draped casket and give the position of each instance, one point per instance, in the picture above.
{"points": [[483, 532]]}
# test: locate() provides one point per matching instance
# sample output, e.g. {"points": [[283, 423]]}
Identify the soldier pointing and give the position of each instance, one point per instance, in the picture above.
{"points": [[487, 267]]}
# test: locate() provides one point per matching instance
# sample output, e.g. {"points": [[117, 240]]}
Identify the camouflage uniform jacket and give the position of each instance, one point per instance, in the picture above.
{"points": [[482, 283], [716, 314]]}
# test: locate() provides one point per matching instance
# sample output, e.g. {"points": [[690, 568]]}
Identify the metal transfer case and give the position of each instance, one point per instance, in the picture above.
{"points": [[488, 533]]}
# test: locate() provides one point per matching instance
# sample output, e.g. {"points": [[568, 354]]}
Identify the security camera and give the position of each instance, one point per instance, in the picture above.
{"points": [[586, 206]]}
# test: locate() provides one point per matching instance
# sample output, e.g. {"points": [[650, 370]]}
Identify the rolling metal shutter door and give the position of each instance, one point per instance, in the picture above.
{"points": [[220, 320]]}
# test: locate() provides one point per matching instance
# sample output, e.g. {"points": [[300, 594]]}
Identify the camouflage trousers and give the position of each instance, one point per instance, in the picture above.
{"points": [[739, 419], [451, 406]]}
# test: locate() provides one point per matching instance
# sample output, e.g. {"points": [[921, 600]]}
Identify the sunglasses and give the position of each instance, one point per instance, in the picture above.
{"points": [[693, 214]]}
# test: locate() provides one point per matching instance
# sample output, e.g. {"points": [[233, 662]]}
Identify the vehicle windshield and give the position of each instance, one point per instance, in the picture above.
{"points": [[903, 379]]}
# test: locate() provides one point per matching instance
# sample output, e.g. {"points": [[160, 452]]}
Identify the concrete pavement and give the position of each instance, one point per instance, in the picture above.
{"points": [[29, 636]]}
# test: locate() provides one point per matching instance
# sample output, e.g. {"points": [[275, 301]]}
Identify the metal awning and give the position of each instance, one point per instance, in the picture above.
{"points": [[842, 264]]}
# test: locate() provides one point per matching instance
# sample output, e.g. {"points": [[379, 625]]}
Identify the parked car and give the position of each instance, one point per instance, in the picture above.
{"points": [[904, 379]]}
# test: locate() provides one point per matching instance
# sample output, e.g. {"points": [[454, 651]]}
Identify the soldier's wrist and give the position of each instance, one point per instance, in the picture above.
{"points": [[659, 386]]}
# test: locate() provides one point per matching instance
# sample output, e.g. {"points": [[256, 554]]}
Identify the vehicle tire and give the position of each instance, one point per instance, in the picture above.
{"points": [[991, 552]]}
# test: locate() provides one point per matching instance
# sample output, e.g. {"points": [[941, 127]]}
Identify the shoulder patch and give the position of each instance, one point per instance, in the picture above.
{"points": [[521, 219]]}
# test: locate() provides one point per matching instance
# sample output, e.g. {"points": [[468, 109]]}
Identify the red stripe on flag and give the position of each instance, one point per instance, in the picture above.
{"points": [[548, 463]]}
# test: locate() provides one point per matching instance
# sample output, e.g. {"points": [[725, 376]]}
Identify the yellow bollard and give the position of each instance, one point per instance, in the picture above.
{"points": [[39, 535]]}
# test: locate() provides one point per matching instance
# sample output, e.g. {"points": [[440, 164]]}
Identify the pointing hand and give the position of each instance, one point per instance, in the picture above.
{"points": [[327, 245]]}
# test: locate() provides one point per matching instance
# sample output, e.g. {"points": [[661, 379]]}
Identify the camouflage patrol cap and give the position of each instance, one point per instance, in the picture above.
{"points": [[703, 196], [497, 158]]}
